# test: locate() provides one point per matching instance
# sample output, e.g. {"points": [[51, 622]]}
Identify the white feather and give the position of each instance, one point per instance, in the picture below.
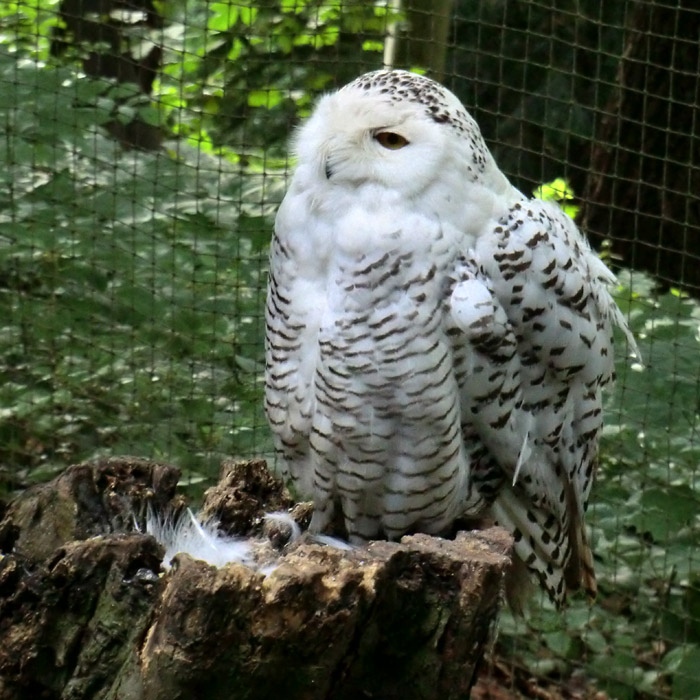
{"points": [[281, 518], [334, 542], [200, 540], [522, 457]]}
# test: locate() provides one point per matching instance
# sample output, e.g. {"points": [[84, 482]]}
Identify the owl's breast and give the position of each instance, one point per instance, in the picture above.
{"points": [[383, 351], [387, 408]]}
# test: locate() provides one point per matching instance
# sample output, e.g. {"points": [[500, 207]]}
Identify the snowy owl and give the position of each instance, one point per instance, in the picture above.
{"points": [[436, 342]]}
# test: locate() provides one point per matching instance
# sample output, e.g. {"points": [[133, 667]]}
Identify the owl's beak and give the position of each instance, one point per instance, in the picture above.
{"points": [[328, 170]]}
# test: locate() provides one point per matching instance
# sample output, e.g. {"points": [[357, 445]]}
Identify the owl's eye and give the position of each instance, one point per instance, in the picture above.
{"points": [[390, 140]]}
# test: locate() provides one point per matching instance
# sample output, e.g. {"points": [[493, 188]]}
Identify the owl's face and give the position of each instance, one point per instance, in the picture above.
{"points": [[393, 129]]}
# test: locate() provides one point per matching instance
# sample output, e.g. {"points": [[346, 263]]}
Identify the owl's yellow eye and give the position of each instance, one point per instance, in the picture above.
{"points": [[390, 140]]}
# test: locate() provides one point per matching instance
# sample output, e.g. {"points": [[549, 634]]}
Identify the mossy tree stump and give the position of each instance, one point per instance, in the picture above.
{"points": [[86, 610]]}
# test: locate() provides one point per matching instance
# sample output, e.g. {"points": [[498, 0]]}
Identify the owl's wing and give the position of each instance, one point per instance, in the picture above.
{"points": [[289, 363], [533, 304]]}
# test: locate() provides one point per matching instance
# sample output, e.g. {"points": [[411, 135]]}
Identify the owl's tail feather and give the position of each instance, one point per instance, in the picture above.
{"points": [[554, 548], [579, 571], [539, 541], [519, 586]]}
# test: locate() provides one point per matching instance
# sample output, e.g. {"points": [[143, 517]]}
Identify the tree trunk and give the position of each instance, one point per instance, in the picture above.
{"points": [[642, 193], [110, 34], [422, 41], [86, 611]]}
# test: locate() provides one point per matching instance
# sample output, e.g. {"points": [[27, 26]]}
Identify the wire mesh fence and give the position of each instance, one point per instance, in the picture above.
{"points": [[144, 153]]}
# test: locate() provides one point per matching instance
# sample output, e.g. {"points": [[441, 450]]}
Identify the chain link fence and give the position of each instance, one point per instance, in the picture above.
{"points": [[143, 156]]}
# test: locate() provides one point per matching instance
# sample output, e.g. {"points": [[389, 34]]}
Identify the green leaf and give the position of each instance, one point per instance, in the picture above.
{"points": [[223, 16], [372, 45], [683, 663], [248, 15], [264, 98], [665, 510], [560, 192]]}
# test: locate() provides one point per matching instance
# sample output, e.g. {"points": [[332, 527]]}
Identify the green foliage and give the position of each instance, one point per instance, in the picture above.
{"points": [[130, 286], [27, 25], [289, 50], [131, 283], [558, 191]]}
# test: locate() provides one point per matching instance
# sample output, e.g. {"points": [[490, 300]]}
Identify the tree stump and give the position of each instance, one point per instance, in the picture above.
{"points": [[86, 610]]}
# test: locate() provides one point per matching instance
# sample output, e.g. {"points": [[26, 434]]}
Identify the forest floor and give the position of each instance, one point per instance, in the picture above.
{"points": [[502, 680]]}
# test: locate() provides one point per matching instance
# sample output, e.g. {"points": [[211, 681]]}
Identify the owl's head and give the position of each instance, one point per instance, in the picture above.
{"points": [[396, 129]]}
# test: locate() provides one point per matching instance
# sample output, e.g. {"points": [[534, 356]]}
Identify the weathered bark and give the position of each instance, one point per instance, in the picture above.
{"points": [[86, 612], [642, 192], [245, 492], [90, 499], [75, 595]]}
